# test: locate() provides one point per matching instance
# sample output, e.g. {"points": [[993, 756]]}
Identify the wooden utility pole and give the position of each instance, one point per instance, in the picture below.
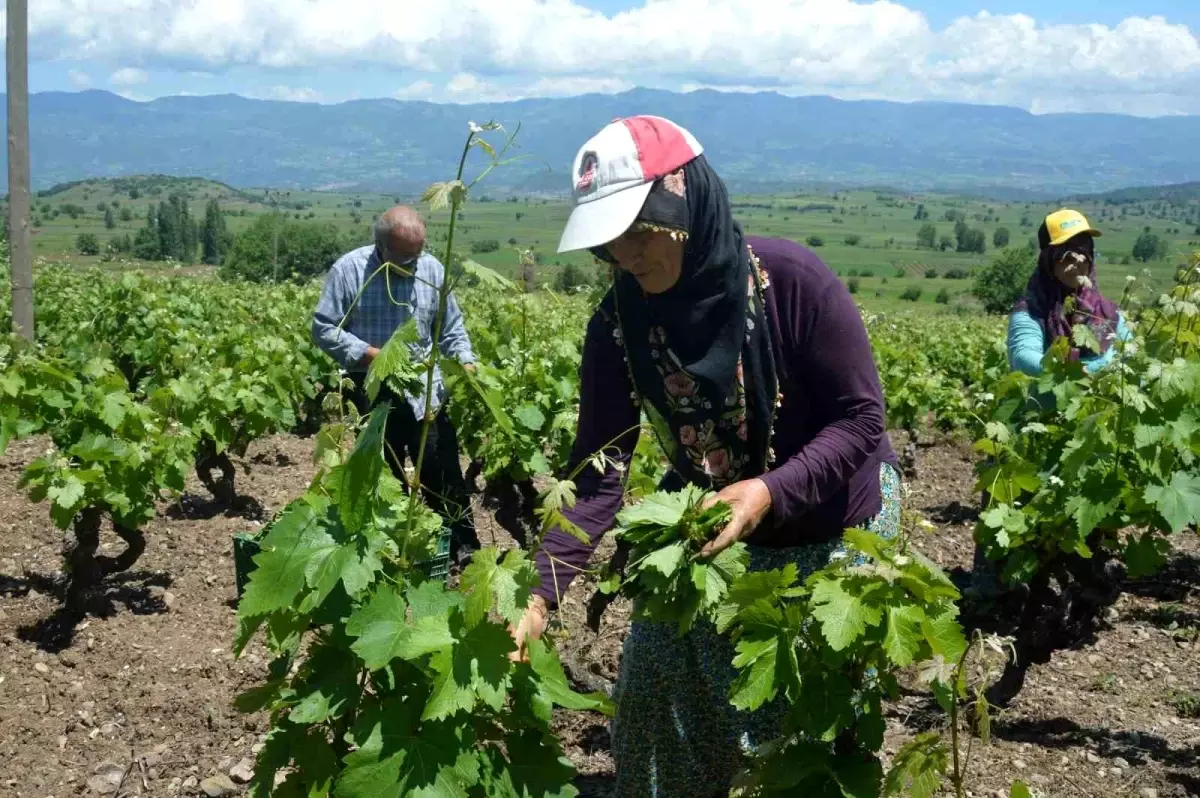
{"points": [[21, 257]]}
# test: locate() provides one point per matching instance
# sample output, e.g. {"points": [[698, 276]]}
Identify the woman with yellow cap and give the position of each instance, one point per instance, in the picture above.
{"points": [[1061, 294]]}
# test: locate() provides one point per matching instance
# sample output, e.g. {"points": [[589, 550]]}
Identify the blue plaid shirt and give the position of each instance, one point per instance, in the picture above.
{"points": [[377, 315]]}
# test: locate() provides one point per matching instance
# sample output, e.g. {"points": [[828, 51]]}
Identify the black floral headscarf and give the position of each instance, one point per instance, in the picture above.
{"points": [[700, 353]]}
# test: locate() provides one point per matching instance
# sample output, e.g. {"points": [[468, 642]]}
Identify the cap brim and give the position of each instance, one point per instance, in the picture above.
{"points": [[592, 224], [1065, 238]]}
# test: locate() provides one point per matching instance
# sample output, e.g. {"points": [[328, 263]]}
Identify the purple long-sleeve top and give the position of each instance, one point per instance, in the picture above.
{"points": [[829, 434]]}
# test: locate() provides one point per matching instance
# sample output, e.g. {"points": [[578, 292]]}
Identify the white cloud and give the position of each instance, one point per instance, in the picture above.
{"points": [[467, 87], [295, 94], [570, 87], [880, 49], [79, 79], [128, 76], [417, 90]]}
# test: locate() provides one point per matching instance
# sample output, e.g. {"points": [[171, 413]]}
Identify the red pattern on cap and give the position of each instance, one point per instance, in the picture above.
{"points": [[661, 146]]}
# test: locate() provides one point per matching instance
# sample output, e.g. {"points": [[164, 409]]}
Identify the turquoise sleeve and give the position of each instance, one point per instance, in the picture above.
{"points": [[1026, 343], [1123, 332], [1094, 364]]}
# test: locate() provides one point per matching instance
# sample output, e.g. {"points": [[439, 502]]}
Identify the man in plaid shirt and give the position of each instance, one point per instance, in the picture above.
{"points": [[387, 302]]}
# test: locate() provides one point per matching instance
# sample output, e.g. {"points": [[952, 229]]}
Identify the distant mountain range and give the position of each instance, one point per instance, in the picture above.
{"points": [[757, 142]]}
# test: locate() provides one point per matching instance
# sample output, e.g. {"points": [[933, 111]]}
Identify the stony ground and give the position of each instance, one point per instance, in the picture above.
{"points": [[136, 699]]}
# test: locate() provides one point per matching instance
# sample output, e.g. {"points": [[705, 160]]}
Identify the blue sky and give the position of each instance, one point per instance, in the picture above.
{"points": [[943, 12], [1106, 55]]}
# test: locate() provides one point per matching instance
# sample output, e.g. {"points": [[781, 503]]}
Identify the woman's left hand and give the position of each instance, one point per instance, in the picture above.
{"points": [[749, 500]]}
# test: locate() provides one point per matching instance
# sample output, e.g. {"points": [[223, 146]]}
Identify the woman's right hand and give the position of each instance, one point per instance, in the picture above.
{"points": [[531, 626]]}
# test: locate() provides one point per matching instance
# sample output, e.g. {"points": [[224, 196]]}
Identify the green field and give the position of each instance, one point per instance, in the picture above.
{"points": [[884, 257]]}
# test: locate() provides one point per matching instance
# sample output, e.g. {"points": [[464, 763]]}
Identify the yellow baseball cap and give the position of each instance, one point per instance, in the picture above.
{"points": [[1063, 225]]}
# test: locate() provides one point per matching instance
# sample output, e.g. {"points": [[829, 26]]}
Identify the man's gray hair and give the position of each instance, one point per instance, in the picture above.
{"points": [[400, 219]]}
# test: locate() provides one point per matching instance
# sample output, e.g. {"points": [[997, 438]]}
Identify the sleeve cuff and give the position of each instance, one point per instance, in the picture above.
{"points": [[779, 508], [355, 350]]}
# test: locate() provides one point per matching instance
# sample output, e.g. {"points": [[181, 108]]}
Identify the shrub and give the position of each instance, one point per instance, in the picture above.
{"points": [[815, 241], [853, 285], [1149, 247], [87, 244], [570, 277], [852, 240], [1001, 283], [852, 273], [867, 273], [485, 245], [901, 273], [930, 273], [927, 236], [911, 294], [943, 297], [956, 274], [972, 240], [306, 249]]}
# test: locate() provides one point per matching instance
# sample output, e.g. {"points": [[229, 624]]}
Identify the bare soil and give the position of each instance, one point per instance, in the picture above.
{"points": [[140, 693]]}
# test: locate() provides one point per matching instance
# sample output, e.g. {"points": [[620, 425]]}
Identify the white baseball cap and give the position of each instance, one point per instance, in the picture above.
{"points": [[614, 172]]}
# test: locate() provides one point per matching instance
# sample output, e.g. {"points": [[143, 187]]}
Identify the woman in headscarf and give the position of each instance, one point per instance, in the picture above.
{"points": [[1061, 294], [751, 358]]}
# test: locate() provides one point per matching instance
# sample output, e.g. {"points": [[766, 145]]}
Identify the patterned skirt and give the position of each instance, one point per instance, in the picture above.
{"points": [[675, 734]]}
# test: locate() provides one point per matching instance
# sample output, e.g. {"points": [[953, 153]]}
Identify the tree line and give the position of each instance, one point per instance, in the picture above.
{"points": [[169, 234], [272, 248]]}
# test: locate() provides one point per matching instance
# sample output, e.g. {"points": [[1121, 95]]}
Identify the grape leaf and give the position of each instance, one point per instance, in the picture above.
{"points": [[665, 560], [278, 578], [67, 494], [1145, 435], [488, 277], [507, 582], [333, 688], [530, 416], [904, 637], [1177, 502], [858, 774], [918, 767], [384, 736], [1019, 789], [825, 703], [113, 409], [1145, 554], [553, 681], [945, 635], [843, 617], [380, 627], [660, 509], [431, 598], [755, 682], [536, 769], [431, 633], [452, 691], [483, 654], [330, 563], [360, 474], [394, 363]]}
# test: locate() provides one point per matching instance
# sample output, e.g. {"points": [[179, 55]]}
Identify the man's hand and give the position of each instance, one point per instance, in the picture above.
{"points": [[749, 500], [470, 367], [372, 353], [531, 626]]}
